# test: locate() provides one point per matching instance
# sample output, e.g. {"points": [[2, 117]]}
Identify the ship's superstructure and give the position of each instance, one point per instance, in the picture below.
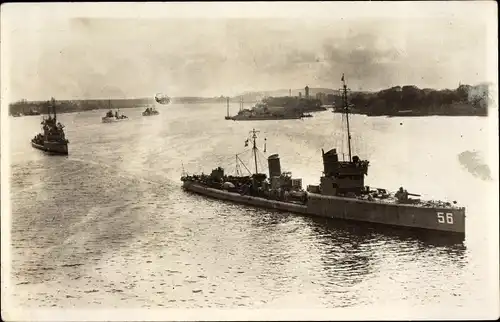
{"points": [[262, 112], [111, 117], [52, 139], [149, 111], [343, 177]]}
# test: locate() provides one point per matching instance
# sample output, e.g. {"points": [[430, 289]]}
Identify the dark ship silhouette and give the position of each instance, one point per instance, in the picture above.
{"points": [[149, 111], [53, 139], [279, 108], [110, 117], [341, 193], [262, 112]]}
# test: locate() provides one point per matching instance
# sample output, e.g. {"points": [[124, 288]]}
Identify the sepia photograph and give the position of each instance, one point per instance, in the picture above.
{"points": [[249, 161]]}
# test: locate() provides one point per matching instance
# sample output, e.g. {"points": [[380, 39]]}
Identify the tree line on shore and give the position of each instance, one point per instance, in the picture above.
{"points": [[411, 100], [69, 106]]}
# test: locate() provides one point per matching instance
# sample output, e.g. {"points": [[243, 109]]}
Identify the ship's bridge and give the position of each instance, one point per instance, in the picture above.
{"points": [[342, 176]]}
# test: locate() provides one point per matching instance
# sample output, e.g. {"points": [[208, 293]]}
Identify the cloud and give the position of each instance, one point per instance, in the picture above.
{"points": [[104, 57]]}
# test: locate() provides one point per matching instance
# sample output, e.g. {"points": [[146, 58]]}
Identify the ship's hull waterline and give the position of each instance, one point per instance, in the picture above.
{"points": [[52, 148], [112, 119], [264, 118], [447, 220]]}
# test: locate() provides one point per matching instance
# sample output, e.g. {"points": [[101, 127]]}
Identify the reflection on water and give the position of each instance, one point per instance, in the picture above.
{"points": [[109, 225]]}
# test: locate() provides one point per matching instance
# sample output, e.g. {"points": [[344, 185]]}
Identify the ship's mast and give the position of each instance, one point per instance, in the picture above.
{"points": [[227, 103], [53, 101], [48, 109], [254, 149], [346, 110]]}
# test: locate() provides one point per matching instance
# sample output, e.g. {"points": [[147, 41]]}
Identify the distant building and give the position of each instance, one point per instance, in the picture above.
{"points": [[322, 97], [307, 91], [300, 94], [330, 98]]}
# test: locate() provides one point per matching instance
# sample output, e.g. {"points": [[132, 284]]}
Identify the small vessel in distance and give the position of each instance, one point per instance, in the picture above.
{"points": [[110, 117], [150, 111], [53, 139], [341, 193], [31, 112]]}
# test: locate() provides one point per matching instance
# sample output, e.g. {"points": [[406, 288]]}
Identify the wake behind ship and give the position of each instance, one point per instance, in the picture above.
{"points": [[340, 194], [53, 139]]}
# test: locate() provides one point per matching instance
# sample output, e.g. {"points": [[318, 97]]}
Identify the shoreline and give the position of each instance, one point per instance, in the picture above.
{"points": [[406, 115], [416, 115]]}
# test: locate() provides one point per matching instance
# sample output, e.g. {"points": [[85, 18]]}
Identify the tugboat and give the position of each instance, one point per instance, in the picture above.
{"points": [[341, 193], [52, 140], [110, 117], [150, 111]]}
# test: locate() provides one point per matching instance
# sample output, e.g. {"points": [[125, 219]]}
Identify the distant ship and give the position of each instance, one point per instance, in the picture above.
{"points": [[53, 139], [28, 113], [150, 111], [303, 104], [261, 112], [341, 193], [31, 112], [111, 117]]}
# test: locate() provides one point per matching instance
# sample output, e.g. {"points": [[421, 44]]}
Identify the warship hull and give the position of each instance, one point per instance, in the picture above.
{"points": [[447, 220], [52, 147], [108, 120], [112, 119]]}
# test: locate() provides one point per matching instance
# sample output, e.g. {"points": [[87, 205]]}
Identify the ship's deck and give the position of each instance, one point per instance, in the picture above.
{"points": [[390, 200]]}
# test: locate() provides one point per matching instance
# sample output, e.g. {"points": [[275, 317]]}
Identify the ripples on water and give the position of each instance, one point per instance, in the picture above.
{"points": [[110, 226]]}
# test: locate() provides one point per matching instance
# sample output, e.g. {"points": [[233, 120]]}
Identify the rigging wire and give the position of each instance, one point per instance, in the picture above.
{"points": [[259, 160], [236, 159]]}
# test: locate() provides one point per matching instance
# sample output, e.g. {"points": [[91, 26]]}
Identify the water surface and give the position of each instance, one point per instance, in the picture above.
{"points": [[109, 226]]}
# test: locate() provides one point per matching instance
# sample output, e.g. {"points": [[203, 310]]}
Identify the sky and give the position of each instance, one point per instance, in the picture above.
{"points": [[113, 56]]}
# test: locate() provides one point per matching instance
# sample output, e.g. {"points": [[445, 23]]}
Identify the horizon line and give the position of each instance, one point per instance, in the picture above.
{"points": [[240, 94]]}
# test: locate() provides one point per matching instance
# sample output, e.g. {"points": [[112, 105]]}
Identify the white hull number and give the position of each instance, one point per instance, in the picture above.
{"points": [[445, 218]]}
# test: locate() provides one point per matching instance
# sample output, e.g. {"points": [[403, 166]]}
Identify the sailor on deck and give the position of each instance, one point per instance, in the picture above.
{"points": [[401, 195]]}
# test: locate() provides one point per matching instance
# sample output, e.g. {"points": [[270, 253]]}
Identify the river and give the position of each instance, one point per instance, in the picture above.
{"points": [[110, 227]]}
